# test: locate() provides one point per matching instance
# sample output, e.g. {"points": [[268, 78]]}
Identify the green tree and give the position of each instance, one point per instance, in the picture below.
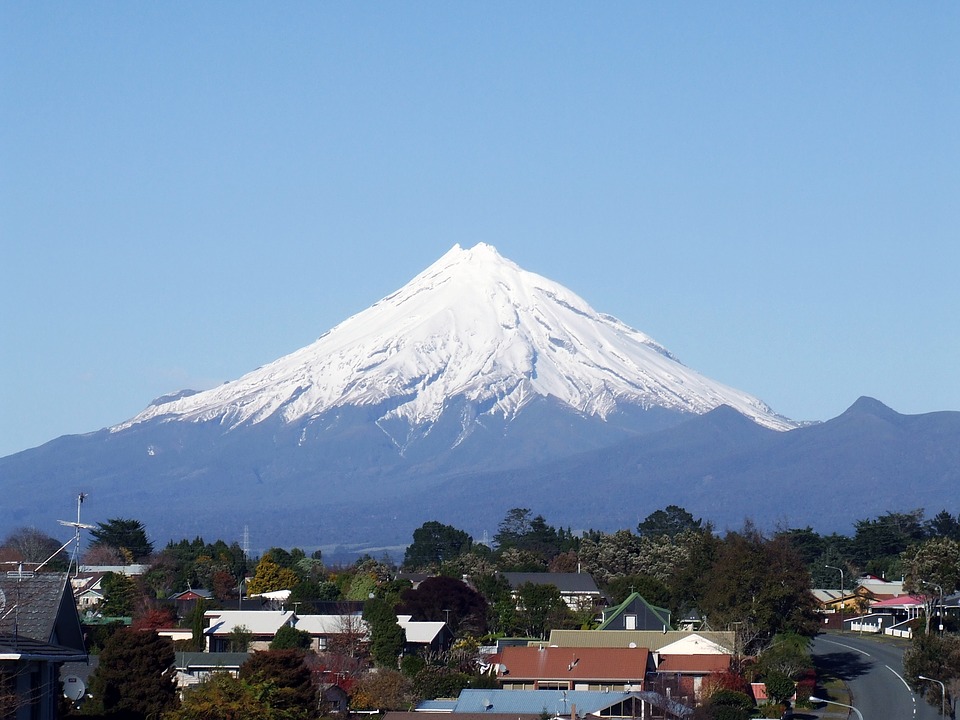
{"points": [[935, 656], [136, 676], [127, 536], [541, 608], [944, 525], [668, 522], [119, 595], [289, 638], [240, 638], [759, 582], [779, 686], [288, 676], [387, 638], [434, 544], [932, 569]]}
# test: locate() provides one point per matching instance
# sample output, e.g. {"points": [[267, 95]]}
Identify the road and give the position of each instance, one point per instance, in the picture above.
{"points": [[873, 670]]}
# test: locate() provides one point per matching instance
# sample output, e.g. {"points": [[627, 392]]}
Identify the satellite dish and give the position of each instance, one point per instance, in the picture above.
{"points": [[73, 687], [632, 645]]}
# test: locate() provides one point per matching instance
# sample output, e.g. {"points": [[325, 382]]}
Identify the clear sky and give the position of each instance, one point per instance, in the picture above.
{"points": [[771, 190]]}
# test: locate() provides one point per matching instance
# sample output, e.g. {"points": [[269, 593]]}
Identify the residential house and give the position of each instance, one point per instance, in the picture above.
{"points": [[195, 667], [683, 666], [326, 629], [578, 590], [424, 634], [261, 624], [635, 613], [551, 668], [39, 632], [650, 639]]}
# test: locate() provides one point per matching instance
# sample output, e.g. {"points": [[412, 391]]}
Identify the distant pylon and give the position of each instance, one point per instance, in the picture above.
{"points": [[246, 542]]}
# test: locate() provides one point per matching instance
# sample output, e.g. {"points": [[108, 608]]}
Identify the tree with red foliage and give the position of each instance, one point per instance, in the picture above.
{"points": [[155, 618]]}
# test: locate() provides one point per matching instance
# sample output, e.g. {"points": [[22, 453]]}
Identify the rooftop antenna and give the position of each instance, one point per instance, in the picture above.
{"points": [[77, 526]]}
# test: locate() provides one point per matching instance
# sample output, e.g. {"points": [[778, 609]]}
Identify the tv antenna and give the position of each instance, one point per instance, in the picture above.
{"points": [[77, 526]]}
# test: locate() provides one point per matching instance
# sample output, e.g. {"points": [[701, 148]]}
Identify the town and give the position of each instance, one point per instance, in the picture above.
{"points": [[671, 619]]}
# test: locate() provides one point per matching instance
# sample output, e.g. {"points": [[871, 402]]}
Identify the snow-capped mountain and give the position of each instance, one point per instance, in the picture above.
{"points": [[476, 388], [473, 327]]}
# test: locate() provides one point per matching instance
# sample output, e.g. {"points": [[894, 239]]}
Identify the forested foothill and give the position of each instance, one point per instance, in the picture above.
{"points": [[754, 584]]}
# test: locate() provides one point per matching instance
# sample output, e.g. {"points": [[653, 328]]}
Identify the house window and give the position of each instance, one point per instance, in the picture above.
{"points": [[321, 644], [553, 685], [631, 622]]}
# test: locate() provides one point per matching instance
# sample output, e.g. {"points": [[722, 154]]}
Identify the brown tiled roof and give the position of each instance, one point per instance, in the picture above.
{"points": [[693, 664], [553, 663]]}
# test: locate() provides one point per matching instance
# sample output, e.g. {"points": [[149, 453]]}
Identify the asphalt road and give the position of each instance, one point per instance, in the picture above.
{"points": [[872, 668]]}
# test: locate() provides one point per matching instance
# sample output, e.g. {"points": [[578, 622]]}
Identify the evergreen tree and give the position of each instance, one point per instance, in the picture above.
{"points": [[285, 672], [127, 536], [136, 677]]}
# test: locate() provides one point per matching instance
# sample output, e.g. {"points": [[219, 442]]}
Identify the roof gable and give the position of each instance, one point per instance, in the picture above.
{"points": [[647, 616], [694, 645]]}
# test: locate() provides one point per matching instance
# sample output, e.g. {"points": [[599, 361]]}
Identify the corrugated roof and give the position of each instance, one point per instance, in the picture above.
{"points": [[583, 664], [650, 639], [258, 622], [536, 701]]}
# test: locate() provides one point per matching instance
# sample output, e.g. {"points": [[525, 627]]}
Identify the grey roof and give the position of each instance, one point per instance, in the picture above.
{"points": [[40, 607], [207, 660], [536, 701], [556, 702], [565, 582]]}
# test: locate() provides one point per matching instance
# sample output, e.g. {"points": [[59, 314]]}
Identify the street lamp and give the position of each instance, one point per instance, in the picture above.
{"points": [[943, 693], [832, 702], [841, 592]]}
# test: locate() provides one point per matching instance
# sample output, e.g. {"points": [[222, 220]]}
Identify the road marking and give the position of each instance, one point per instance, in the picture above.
{"points": [[849, 647], [901, 678]]}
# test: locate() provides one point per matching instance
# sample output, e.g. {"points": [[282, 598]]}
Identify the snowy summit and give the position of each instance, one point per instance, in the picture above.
{"points": [[475, 328]]}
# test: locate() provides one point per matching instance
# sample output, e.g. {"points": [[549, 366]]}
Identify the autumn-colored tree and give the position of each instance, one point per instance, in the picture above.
{"points": [[383, 690], [224, 697], [269, 577], [155, 618]]}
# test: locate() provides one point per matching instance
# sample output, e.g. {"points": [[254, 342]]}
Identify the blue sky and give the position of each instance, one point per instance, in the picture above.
{"points": [[190, 190]]}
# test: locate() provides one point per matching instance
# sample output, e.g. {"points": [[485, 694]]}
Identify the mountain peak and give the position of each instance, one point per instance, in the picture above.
{"points": [[473, 331]]}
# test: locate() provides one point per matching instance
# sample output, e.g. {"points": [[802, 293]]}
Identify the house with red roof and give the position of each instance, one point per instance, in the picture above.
{"points": [[554, 668]]}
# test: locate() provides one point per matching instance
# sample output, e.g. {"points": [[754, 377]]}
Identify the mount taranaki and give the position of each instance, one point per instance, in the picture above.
{"points": [[476, 388]]}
